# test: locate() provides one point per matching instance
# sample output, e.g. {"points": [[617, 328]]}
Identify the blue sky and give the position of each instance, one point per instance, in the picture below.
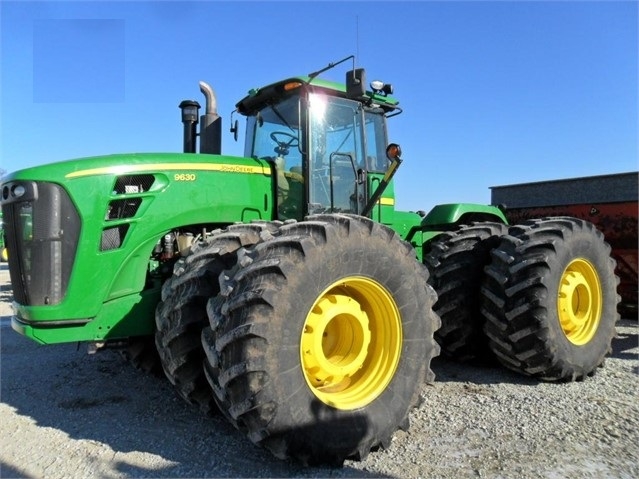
{"points": [[492, 93]]}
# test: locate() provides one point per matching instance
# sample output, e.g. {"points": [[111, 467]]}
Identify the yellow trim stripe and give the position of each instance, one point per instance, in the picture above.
{"points": [[122, 169], [387, 201]]}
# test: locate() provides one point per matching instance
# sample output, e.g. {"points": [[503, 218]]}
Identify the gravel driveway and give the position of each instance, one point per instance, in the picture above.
{"points": [[67, 414]]}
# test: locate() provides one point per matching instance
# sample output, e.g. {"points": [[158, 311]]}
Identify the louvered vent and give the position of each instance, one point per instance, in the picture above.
{"points": [[112, 238], [121, 209], [131, 184]]}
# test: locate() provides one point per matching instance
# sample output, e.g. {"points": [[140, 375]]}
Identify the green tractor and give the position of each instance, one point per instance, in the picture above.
{"points": [[282, 288]]}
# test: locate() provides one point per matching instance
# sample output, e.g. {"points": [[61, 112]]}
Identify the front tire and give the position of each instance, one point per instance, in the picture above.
{"points": [[324, 341], [550, 299]]}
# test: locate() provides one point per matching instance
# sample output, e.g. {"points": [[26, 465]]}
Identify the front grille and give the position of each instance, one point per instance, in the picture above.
{"points": [[42, 228]]}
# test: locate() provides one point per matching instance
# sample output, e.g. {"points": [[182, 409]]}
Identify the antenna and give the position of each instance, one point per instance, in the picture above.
{"points": [[356, 39], [331, 65]]}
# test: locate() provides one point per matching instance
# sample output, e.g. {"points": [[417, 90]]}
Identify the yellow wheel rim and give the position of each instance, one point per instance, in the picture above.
{"points": [[580, 301], [351, 343]]}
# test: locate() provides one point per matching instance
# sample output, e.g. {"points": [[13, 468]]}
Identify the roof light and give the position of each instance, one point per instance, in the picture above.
{"points": [[292, 85], [381, 88]]}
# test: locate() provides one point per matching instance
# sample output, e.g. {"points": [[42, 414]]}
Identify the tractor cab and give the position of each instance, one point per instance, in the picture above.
{"points": [[327, 142]]}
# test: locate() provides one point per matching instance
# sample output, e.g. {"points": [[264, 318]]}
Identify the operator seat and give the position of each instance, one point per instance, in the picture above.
{"points": [[290, 191], [343, 185], [280, 178]]}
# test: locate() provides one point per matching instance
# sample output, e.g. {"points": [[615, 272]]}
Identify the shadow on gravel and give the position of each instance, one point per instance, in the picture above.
{"points": [[626, 341], [101, 398], [9, 471], [448, 370], [624, 346]]}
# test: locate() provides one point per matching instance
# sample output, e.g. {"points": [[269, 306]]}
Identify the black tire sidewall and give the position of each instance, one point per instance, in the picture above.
{"points": [[580, 245], [309, 425], [456, 262]]}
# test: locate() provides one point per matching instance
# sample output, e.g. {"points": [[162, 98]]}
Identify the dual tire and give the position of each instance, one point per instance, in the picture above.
{"points": [[541, 297], [550, 299], [316, 337], [456, 260], [181, 314]]}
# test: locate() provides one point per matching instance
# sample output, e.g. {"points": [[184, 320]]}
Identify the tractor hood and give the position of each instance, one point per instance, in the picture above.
{"points": [[63, 171]]}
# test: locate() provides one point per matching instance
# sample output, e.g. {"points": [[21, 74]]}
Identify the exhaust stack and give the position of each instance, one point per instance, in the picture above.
{"points": [[211, 123]]}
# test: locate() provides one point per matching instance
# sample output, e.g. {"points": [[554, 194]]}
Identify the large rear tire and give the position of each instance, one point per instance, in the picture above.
{"points": [[456, 261], [550, 299], [324, 341], [181, 314]]}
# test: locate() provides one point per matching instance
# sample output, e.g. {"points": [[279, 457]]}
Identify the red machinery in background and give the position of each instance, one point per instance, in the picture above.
{"points": [[607, 201]]}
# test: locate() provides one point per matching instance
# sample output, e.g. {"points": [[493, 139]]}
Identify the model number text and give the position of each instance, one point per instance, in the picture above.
{"points": [[185, 177]]}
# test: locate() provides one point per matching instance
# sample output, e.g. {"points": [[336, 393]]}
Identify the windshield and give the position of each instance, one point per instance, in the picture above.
{"points": [[345, 140], [273, 134]]}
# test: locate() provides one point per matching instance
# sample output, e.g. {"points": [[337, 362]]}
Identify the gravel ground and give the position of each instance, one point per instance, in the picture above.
{"points": [[66, 414]]}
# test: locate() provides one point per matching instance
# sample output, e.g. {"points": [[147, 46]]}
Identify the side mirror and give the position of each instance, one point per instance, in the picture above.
{"points": [[234, 129], [356, 83], [234, 126]]}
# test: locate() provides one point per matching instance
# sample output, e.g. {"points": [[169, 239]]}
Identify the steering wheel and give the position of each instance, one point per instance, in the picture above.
{"points": [[282, 144]]}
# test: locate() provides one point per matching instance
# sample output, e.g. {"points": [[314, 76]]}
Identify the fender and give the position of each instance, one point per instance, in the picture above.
{"points": [[447, 217]]}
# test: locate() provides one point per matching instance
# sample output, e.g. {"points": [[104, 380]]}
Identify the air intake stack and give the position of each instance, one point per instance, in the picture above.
{"points": [[190, 109]]}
